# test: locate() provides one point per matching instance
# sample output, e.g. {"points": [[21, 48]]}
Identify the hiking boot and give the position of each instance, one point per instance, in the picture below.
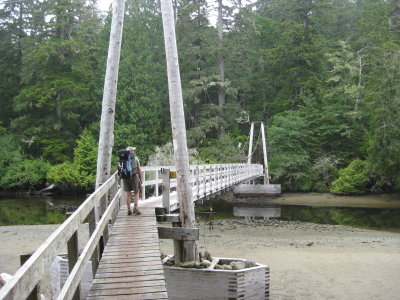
{"points": [[136, 211], [129, 212]]}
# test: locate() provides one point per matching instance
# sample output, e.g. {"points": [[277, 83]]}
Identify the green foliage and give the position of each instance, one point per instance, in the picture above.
{"points": [[164, 156], [352, 179], [25, 174], [220, 151], [384, 105], [10, 152], [323, 172], [289, 135], [56, 72], [81, 173], [142, 91], [323, 75]]}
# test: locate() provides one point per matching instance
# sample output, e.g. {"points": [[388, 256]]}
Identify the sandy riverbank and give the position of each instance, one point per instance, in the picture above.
{"points": [[311, 261], [307, 261]]}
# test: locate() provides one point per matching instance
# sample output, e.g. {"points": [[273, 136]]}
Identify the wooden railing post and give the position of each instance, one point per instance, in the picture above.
{"points": [[165, 189], [92, 227], [211, 178], [143, 187], [35, 294], [157, 183], [103, 207], [73, 254], [113, 192], [204, 180], [197, 182]]}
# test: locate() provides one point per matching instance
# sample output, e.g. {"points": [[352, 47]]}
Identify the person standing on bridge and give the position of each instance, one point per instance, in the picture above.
{"points": [[132, 185]]}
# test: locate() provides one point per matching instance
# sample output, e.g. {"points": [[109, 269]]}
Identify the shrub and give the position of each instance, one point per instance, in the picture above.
{"points": [[323, 172], [28, 173], [225, 150], [164, 156], [352, 179], [10, 152], [81, 173]]}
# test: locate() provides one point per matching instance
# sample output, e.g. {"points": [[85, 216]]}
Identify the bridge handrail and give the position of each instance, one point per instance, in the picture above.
{"points": [[205, 180], [29, 274], [231, 173], [76, 273]]}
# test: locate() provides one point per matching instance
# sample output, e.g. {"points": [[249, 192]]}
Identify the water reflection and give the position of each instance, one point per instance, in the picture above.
{"points": [[373, 218], [17, 210]]}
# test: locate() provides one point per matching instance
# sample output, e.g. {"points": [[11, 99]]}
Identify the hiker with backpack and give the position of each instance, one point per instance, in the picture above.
{"points": [[131, 174]]}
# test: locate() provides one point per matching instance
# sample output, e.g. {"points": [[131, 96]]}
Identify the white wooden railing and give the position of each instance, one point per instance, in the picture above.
{"points": [[205, 180]]}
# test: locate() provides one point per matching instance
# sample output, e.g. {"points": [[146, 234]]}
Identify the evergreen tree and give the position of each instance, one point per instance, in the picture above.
{"points": [[142, 90], [56, 87]]}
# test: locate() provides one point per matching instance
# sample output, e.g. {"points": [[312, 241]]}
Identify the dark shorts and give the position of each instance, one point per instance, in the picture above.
{"points": [[131, 184]]}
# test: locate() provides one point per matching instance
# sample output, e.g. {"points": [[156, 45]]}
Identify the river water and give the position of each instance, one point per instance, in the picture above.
{"points": [[379, 212], [373, 211], [30, 210]]}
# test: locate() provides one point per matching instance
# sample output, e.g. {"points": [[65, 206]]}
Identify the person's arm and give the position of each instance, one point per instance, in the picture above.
{"points": [[140, 173]]}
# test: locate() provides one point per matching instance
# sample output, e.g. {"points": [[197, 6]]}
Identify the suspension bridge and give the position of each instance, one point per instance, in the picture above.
{"points": [[123, 250]]}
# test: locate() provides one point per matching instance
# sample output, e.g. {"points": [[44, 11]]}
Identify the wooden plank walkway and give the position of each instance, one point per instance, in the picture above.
{"points": [[130, 267]]}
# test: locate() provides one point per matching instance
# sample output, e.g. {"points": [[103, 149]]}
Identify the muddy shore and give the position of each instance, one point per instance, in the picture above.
{"points": [[310, 261], [307, 261]]}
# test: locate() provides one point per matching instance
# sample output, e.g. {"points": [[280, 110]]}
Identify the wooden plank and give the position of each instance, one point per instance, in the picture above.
{"points": [[178, 233], [169, 218], [133, 243], [129, 265], [132, 284], [132, 274], [123, 260], [122, 238], [131, 291], [132, 246], [109, 272], [125, 279], [147, 296], [125, 253]]}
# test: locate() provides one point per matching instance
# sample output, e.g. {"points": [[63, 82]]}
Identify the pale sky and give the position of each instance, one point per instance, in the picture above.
{"points": [[103, 4]]}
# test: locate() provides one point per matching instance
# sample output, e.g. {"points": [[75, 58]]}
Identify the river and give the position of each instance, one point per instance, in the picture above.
{"points": [[33, 210], [379, 211], [371, 211]]}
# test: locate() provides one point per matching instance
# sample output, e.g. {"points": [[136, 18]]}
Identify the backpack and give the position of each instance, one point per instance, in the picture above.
{"points": [[127, 167]]}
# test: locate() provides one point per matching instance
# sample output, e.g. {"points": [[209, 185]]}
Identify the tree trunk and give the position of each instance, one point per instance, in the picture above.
{"points": [[178, 129], [221, 92], [106, 139]]}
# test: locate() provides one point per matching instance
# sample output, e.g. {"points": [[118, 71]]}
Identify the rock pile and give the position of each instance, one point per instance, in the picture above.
{"points": [[206, 261]]}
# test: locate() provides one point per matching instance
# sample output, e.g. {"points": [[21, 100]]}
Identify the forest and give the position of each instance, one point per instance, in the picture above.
{"points": [[324, 76]]}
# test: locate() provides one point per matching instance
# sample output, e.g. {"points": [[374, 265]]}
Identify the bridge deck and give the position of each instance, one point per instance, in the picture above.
{"points": [[130, 267]]}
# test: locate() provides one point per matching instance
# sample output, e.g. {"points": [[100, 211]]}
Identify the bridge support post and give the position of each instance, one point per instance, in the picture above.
{"points": [[35, 294], [184, 190], [178, 245], [266, 175], [165, 189]]}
